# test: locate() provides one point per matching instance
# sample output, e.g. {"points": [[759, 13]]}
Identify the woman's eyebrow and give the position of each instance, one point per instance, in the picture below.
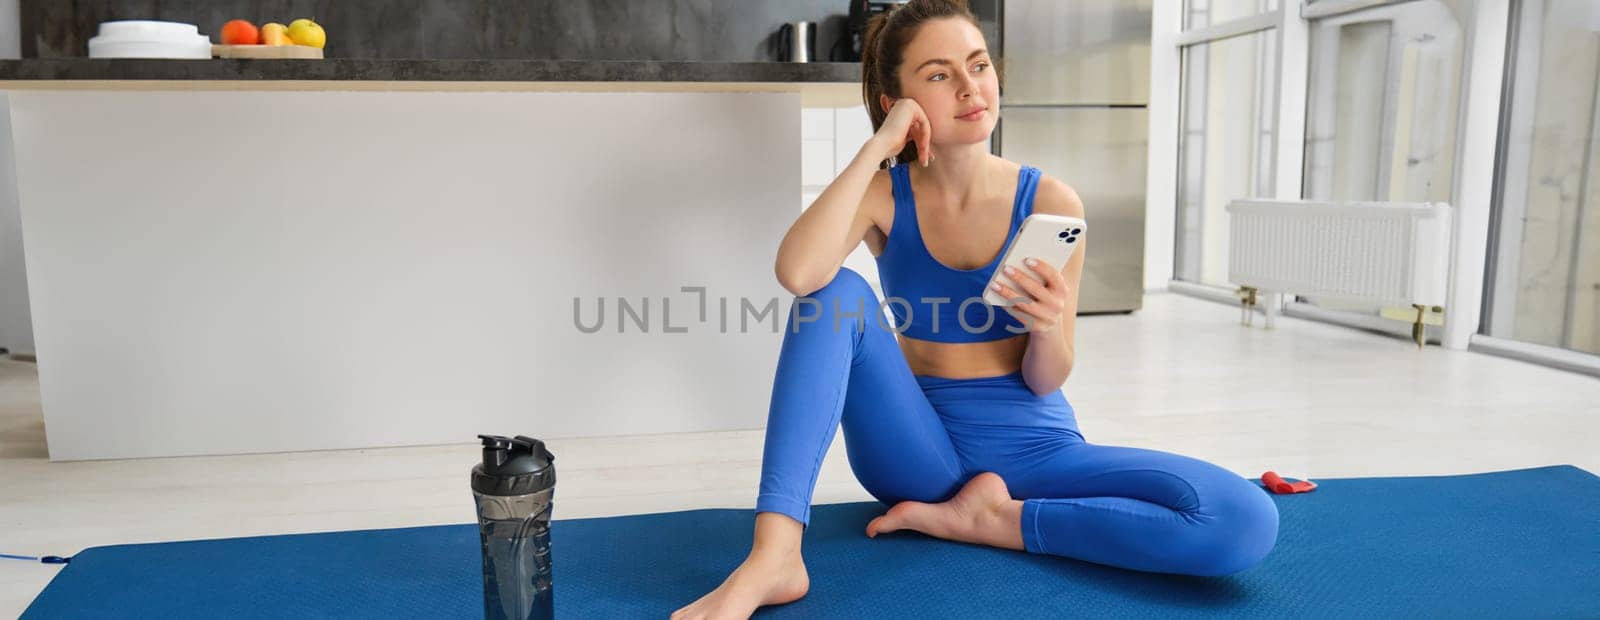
{"points": [[940, 61]]}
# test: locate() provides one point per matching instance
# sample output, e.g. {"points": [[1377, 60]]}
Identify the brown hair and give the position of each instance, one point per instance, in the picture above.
{"points": [[883, 49]]}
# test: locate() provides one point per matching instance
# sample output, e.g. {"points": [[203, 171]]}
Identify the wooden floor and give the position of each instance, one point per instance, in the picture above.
{"points": [[1305, 399]]}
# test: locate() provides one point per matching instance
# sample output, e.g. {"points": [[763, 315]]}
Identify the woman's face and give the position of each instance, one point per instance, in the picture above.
{"points": [[947, 71]]}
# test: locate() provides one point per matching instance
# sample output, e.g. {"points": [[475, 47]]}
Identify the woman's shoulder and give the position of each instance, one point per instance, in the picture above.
{"points": [[879, 199], [1053, 196], [1007, 167], [881, 181]]}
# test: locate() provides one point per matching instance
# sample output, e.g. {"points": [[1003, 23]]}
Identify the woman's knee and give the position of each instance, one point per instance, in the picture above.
{"points": [[847, 296], [1242, 529], [846, 284]]}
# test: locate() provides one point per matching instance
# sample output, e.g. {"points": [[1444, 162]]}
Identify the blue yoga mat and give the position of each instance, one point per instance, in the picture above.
{"points": [[1522, 543]]}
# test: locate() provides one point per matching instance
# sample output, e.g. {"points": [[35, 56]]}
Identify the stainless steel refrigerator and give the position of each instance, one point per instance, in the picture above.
{"points": [[1077, 84]]}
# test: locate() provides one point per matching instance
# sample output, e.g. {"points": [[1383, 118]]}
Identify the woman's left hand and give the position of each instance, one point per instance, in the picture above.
{"points": [[1040, 305]]}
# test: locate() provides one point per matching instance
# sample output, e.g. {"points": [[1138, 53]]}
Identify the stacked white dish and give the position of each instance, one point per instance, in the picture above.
{"points": [[137, 38]]}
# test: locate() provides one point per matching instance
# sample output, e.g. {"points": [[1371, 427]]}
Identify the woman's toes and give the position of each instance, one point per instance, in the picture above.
{"points": [[887, 522], [980, 513]]}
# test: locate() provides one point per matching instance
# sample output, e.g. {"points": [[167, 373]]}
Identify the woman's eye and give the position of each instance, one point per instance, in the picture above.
{"points": [[980, 66], [936, 77]]}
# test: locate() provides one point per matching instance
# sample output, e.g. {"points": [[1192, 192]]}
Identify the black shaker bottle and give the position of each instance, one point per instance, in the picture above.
{"points": [[513, 488]]}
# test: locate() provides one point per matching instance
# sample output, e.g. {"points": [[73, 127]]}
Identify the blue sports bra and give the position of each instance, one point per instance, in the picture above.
{"points": [[933, 301]]}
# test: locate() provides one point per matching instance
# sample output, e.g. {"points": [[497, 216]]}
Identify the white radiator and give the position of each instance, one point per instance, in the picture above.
{"points": [[1395, 254]]}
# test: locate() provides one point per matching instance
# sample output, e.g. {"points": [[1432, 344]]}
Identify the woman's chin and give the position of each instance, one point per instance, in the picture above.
{"points": [[965, 136], [973, 136]]}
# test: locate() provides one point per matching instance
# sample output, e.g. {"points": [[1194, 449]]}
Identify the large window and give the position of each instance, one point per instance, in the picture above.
{"points": [[1225, 144], [1545, 287], [1384, 99], [1385, 90], [1198, 14]]}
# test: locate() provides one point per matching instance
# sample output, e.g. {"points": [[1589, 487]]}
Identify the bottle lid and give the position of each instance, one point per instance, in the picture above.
{"points": [[513, 466]]}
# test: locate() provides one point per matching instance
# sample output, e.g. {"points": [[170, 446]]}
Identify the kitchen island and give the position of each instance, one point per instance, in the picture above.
{"points": [[231, 256]]}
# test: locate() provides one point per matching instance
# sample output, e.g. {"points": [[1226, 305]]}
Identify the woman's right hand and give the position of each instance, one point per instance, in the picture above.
{"points": [[905, 122]]}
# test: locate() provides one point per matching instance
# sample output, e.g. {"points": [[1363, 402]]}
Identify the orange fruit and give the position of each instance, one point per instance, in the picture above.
{"points": [[275, 34], [240, 32]]}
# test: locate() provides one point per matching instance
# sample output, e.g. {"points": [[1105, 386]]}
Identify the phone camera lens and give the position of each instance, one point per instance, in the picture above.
{"points": [[1077, 230], [1063, 234]]}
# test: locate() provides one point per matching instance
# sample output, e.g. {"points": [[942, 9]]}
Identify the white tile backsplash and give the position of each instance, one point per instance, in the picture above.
{"points": [[816, 163], [816, 123], [851, 129]]}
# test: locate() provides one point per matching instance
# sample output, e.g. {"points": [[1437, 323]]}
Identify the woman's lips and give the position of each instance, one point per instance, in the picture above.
{"points": [[973, 115]]}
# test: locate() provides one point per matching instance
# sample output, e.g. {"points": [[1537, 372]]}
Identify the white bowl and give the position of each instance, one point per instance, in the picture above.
{"points": [[148, 29], [149, 39]]}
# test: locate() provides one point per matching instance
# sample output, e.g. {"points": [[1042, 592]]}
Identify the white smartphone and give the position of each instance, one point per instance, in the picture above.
{"points": [[1049, 238]]}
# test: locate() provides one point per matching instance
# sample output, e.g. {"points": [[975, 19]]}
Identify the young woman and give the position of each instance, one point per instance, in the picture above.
{"points": [[961, 426]]}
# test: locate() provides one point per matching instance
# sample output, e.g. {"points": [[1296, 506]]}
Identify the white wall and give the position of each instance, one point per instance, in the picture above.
{"points": [[223, 272], [16, 328], [1474, 176], [1161, 182], [10, 29]]}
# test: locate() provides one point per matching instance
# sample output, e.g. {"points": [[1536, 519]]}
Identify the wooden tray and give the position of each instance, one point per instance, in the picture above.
{"points": [[266, 51]]}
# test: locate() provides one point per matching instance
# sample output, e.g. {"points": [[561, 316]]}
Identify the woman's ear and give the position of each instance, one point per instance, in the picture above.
{"points": [[886, 102]]}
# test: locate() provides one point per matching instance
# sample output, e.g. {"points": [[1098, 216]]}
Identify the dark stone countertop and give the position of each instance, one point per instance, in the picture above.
{"points": [[35, 70]]}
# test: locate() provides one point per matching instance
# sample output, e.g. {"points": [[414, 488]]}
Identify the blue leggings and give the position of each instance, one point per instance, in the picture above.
{"points": [[919, 437]]}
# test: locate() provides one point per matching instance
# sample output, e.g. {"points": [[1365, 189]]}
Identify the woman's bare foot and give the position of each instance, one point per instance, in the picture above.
{"points": [[983, 513], [765, 578]]}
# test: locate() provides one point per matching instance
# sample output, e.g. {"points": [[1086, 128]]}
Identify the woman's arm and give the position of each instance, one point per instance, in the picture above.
{"points": [[1052, 316], [817, 244]]}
